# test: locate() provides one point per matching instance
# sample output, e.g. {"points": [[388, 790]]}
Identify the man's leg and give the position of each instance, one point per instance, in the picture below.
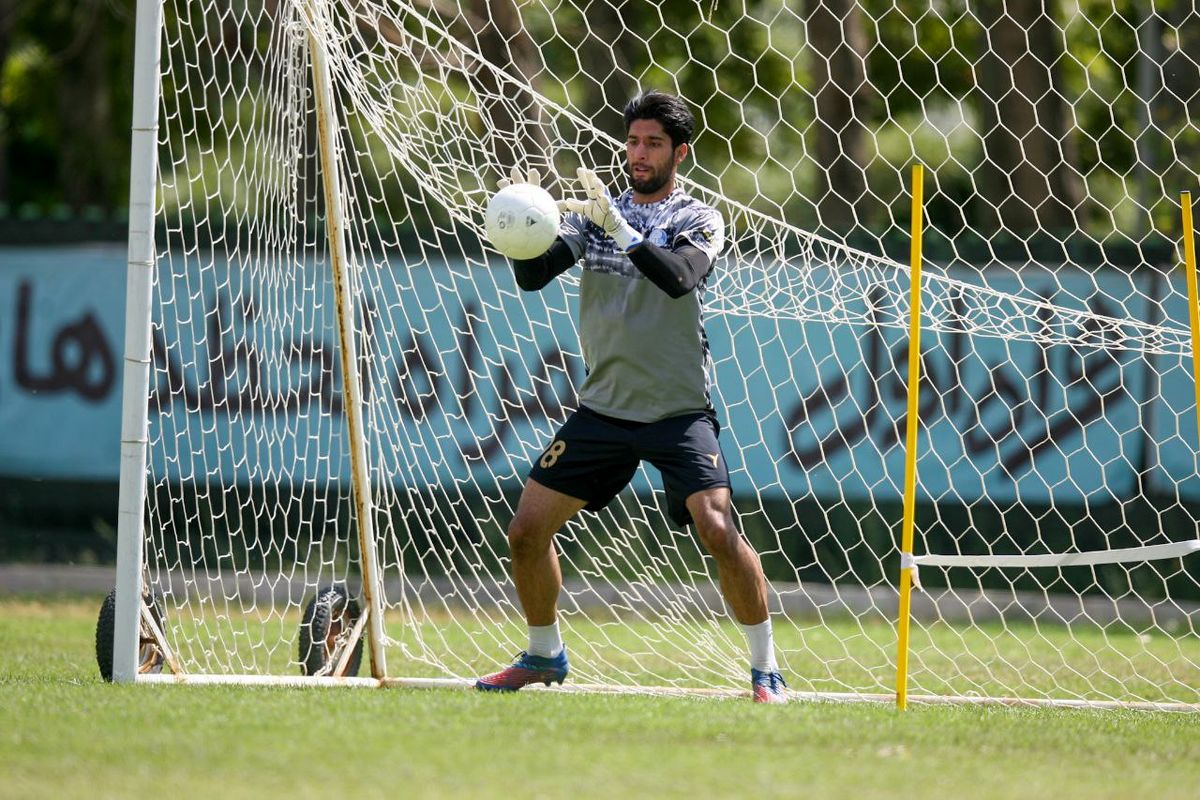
{"points": [[738, 567], [743, 584], [541, 512]]}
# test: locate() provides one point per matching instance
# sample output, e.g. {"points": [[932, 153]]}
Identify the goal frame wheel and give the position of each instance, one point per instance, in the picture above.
{"points": [[328, 627], [151, 656]]}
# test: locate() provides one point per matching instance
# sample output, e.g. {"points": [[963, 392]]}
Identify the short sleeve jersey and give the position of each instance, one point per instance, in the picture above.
{"points": [[646, 353]]}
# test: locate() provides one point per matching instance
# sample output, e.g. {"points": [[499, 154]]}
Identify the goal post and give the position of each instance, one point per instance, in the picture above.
{"points": [[344, 292], [334, 388], [143, 177]]}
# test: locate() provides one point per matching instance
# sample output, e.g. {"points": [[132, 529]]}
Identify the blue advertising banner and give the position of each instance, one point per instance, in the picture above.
{"points": [[1172, 414], [1003, 419], [466, 376], [62, 321]]}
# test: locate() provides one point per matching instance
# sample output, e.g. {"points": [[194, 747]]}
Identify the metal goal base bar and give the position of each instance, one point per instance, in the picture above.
{"points": [[660, 691]]}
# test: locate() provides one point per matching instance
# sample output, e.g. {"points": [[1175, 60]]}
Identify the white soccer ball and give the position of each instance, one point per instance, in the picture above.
{"points": [[522, 220]]}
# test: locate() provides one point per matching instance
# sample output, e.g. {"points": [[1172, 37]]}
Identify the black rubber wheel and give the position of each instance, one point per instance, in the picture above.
{"points": [[328, 617], [150, 657]]}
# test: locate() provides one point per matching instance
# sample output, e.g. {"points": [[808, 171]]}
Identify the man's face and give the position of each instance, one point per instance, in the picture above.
{"points": [[650, 158]]}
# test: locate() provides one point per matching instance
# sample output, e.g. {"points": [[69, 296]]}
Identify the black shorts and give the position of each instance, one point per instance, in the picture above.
{"points": [[593, 457]]}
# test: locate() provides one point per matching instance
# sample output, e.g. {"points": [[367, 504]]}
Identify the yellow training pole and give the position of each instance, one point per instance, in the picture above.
{"points": [[1189, 262], [910, 439]]}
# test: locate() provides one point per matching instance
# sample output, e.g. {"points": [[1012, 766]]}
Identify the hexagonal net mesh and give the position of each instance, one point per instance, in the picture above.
{"points": [[1057, 407]]}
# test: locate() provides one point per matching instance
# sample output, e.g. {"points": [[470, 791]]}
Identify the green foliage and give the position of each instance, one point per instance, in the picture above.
{"points": [[746, 66], [65, 100], [30, 122]]}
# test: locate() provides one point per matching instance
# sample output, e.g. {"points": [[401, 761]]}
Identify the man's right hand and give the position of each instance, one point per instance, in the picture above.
{"points": [[532, 177]]}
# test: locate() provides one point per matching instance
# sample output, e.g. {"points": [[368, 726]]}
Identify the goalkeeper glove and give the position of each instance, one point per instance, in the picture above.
{"points": [[598, 207], [534, 177]]}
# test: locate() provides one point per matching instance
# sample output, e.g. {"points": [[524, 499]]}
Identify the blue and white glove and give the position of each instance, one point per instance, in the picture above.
{"points": [[598, 207]]}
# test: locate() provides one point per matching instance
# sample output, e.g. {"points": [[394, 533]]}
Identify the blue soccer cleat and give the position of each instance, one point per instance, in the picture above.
{"points": [[525, 670], [768, 687]]}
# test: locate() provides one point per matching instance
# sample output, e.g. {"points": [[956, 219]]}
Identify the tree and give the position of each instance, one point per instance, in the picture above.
{"points": [[513, 117], [1174, 109], [1027, 177], [8, 17], [838, 44], [67, 70]]}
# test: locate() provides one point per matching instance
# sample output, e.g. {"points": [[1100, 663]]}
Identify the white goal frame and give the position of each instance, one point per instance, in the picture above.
{"points": [[131, 614]]}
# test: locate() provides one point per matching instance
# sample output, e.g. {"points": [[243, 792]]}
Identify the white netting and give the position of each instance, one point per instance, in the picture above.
{"points": [[1057, 410]]}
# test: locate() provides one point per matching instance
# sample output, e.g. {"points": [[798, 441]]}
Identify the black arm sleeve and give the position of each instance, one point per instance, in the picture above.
{"points": [[676, 272], [534, 273]]}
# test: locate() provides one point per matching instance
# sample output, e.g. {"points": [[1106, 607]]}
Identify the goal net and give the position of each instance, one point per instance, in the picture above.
{"points": [[1057, 408]]}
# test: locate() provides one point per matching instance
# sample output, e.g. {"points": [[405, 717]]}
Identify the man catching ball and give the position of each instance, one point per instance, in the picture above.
{"points": [[647, 255]]}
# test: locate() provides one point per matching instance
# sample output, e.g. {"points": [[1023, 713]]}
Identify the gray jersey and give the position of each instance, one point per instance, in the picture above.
{"points": [[646, 353]]}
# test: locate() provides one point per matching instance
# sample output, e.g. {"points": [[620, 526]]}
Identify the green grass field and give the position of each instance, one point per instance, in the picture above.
{"points": [[67, 734]]}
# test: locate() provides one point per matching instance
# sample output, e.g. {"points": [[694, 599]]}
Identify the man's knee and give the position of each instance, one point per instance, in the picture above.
{"points": [[718, 533], [528, 537]]}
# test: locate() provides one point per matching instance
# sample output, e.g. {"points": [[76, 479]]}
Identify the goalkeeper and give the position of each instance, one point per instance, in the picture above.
{"points": [[646, 257]]}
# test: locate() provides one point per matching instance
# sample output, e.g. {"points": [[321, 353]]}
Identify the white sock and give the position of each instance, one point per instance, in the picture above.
{"points": [[545, 640], [762, 646]]}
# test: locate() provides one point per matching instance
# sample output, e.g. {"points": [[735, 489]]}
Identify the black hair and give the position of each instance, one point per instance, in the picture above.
{"points": [[668, 109]]}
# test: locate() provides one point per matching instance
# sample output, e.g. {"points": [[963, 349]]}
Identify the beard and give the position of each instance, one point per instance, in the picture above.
{"points": [[656, 180]]}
